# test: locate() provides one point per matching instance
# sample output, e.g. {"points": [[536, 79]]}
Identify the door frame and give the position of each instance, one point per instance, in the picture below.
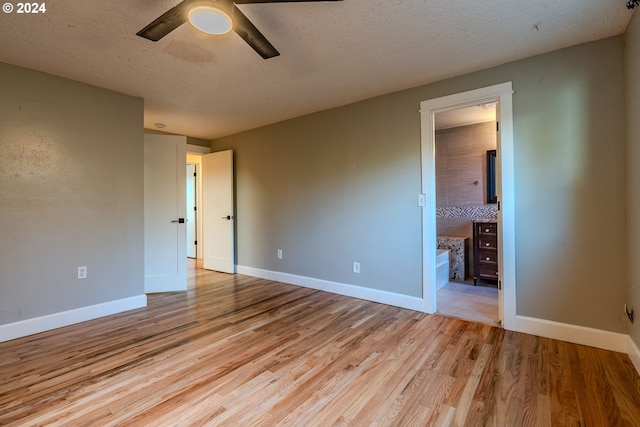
{"points": [[502, 93], [196, 188], [194, 155]]}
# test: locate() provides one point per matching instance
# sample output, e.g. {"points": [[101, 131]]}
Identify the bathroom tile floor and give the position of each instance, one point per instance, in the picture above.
{"points": [[475, 303]]}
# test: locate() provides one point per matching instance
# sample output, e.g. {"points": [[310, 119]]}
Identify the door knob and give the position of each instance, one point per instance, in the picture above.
{"points": [[179, 220], [228, 217]]}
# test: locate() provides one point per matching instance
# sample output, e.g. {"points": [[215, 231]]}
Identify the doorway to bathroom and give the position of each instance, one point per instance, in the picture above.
{"points": [[192, 210], [465, 149], [497, 218]]}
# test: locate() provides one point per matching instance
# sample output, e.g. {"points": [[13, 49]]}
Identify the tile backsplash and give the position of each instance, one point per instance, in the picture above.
{"points": [[472, 212]]}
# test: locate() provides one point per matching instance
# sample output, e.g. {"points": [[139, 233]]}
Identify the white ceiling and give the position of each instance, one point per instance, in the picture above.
{"points": [[466, 116], [332, 53]]}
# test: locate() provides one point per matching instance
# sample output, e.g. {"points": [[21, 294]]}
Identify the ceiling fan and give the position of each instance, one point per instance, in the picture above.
{"points": [[215, 17]]}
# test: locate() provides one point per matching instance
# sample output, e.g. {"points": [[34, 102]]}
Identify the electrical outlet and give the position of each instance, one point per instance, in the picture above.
{"points": [[356, 267], [82, 272], [279, 254]]}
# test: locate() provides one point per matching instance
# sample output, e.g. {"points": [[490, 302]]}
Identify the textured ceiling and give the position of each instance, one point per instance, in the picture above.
{"points": [[466, 116], [332, 53]]}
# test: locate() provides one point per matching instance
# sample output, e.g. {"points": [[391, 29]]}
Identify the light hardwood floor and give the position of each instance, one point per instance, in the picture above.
{"points": [[240, 351]]}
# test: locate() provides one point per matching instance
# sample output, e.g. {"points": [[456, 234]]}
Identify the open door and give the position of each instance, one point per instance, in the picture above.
{"points": [[218, 215], [165, 258]]}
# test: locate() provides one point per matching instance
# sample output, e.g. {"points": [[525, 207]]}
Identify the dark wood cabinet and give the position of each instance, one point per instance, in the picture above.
{"points": [[485, 251]]}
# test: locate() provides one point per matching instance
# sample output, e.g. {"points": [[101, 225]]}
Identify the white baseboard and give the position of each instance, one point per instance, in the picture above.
{"points": [[36, 325], [634, 354], [375, 295], [598, 338]]}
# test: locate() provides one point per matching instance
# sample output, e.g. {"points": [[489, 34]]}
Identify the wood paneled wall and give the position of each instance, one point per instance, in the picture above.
{"points": [[461, 172]]}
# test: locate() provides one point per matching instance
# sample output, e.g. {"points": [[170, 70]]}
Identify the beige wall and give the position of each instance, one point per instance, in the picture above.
{"points": [[632, 55], [330, 189], [71, 194], [341, 186]]}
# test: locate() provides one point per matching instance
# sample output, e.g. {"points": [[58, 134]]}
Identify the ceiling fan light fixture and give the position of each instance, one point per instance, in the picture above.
{"points": [[210, 19]]}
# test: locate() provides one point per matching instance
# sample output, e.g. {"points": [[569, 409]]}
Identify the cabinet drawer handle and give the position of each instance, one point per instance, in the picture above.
{"points": [[486, 244], [486, 230], [488, 258]]}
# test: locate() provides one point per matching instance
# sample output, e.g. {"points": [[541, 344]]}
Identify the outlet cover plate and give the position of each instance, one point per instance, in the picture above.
{"points": [[356, 267]]}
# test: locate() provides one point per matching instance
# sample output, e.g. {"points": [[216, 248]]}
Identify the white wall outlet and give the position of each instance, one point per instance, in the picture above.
{"points": [[82, 272], [356, 267], [279, 254], [422, 200]]}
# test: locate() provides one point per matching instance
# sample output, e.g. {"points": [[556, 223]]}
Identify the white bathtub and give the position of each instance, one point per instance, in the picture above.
{"points": [[442, 267]]}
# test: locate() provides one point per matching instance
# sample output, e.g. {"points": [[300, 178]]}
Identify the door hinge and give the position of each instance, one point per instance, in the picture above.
{"points": [[499, 285], [498, 204], [497, 126], [195, 174], [195, 242], [195, 208]]}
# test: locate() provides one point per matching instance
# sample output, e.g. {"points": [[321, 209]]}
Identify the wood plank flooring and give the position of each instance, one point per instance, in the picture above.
{"points": [[240, 351]]}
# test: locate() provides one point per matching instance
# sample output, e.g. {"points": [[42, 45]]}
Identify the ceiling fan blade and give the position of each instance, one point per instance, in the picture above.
{"points": [[250, 34], [278, 1], [167, 22]]}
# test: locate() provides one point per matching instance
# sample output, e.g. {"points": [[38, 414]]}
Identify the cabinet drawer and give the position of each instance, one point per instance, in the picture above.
{"points": [[488, 270], [485, 255], [486, 228], [487, 242]]}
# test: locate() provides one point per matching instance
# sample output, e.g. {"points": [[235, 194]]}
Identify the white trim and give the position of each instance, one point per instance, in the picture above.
{"points": [[506, 192], [634, 354], [375, 295], [598, 338], [36, 325], [197, 149]]}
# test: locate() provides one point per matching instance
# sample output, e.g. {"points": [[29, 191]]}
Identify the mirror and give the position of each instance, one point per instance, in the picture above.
{"points": [[492, 196]]}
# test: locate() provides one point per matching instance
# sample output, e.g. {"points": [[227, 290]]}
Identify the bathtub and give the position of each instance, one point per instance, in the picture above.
{"points": [[442, 267]]}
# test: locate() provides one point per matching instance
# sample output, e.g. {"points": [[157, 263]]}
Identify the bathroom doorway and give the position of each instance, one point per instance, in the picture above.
{"points": [[192, 210], [465, 146], [194, 200], [504, 228]]}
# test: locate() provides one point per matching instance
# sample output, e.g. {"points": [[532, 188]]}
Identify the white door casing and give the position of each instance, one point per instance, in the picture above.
{"points": [[165, 259], [504, 186], [218, 219]]}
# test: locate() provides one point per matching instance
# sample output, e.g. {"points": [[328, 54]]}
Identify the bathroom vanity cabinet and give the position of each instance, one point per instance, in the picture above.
{"points": [[485, 250]]}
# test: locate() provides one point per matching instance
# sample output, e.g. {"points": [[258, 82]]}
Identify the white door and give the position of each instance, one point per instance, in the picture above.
{"points": [[217, 212], [165, 258], [192, 218]]}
